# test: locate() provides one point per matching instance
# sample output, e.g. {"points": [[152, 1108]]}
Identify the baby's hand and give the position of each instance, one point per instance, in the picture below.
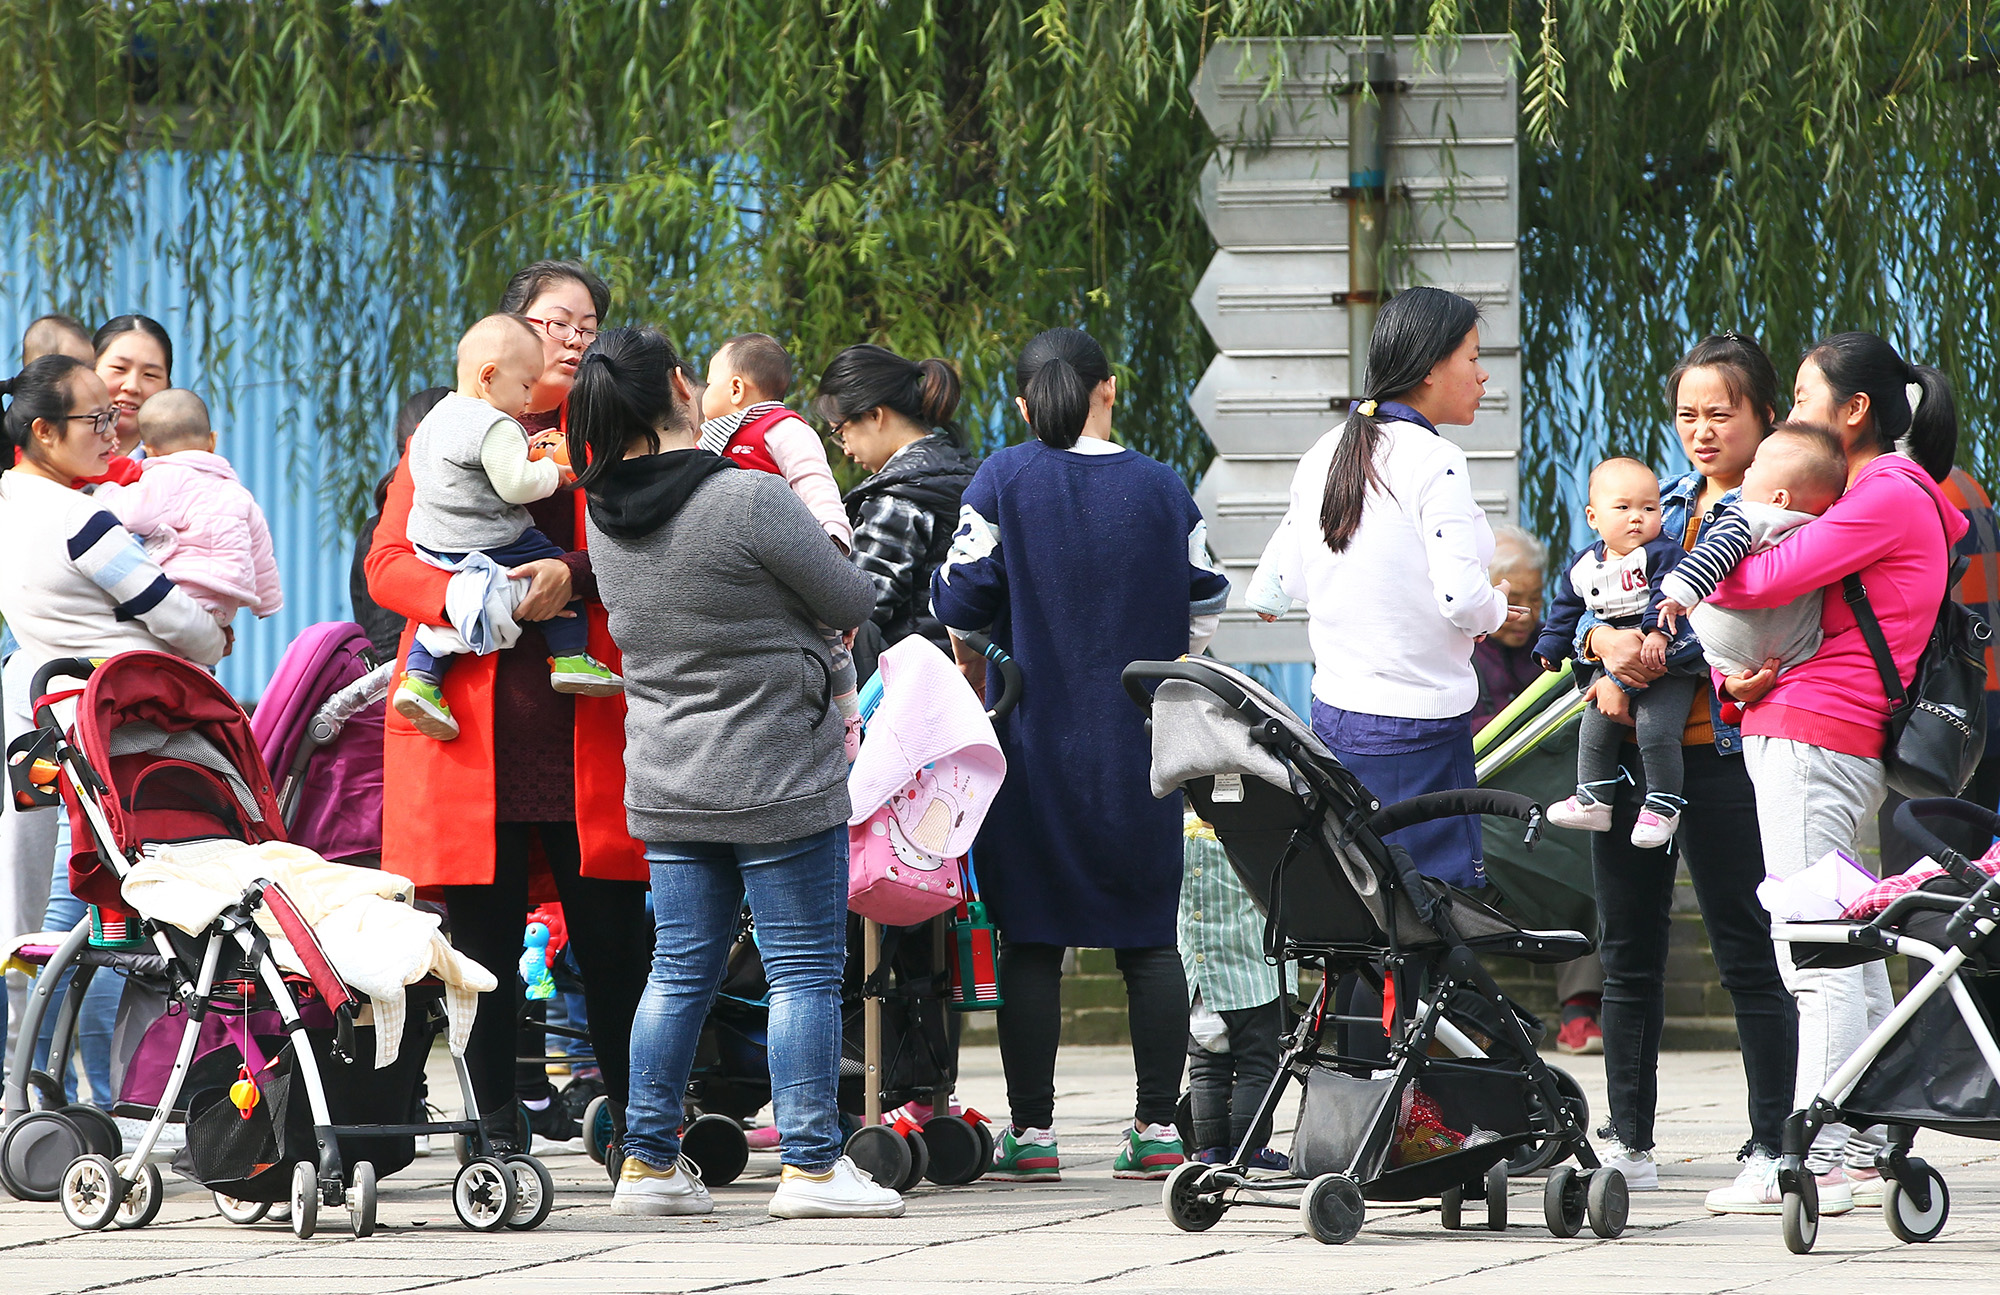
{"points": [[1546, 664], [1653, 651], [1670, 614]]}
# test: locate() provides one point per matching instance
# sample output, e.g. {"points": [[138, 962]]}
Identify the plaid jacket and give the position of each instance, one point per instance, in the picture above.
{"points": [[903, 519]]}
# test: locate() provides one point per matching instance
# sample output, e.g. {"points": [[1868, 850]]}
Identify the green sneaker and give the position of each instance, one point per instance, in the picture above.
{"points": [[420, 700], [1151, 1152], [584, 675], [1026, 1156]]}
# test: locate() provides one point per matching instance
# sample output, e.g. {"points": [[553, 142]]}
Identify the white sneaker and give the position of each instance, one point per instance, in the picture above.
{"points": [[1835, 1195], [645, 1190], [1580, 815], [1641, 1174], [1865, 1187], [1755, 1190], [842, 1192], [1652, 829]]}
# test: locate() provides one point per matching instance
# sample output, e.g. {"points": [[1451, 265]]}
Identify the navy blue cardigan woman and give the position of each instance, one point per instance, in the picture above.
{"points": [[1079, 556]]}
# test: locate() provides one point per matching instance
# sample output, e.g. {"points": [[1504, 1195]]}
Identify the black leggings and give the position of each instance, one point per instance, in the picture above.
{"points": [[608, 928], [1226, 1088], [1031, 1027], [1635, 891]]}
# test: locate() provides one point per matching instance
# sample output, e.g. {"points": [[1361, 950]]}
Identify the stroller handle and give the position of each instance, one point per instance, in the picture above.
{"points": [[1451, 804], [1134, 678], [62, 667], [344, 705], [1010, 673], [1909, 820]]}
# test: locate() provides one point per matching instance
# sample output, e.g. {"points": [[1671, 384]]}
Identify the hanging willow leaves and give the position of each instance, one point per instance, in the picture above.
{"points": [[948, 179]]}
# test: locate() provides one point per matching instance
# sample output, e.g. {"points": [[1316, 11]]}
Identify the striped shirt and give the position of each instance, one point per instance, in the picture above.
{"points": [[76, 583], [1221, 931]]}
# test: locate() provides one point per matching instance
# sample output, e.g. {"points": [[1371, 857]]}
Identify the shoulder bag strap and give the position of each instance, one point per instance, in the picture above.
{"points": [[1878, 644]]}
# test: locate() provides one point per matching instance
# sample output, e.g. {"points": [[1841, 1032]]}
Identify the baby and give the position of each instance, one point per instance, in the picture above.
{"points": [[1798, 472], [472, 474], [199, 523], [745, 421], [1619, 578]]}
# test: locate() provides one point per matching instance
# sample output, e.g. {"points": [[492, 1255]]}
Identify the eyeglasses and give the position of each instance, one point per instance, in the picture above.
{"points": [[563, 331], [102, 425]]}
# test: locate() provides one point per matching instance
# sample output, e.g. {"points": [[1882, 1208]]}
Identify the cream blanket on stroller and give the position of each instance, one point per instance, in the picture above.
{"points": [[363, 919]]}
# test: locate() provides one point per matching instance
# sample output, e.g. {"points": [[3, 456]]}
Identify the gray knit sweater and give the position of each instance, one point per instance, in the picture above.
{"points": [[715, 582]]}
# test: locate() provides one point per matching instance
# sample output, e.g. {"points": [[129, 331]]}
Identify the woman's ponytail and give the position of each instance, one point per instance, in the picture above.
{"points": [[624, 393], [937, 397], [1418, 328], [1863, 364], [1058, 371], [1934, 423]]}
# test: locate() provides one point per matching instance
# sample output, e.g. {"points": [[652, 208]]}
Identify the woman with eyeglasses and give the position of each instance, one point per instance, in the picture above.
{"points": [[527, 805], [75, 584]]}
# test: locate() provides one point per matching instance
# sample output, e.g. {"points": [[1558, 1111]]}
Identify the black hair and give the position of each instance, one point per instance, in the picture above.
{"points": [[413, 411], [121, 324], [868, 377], [1747, 373], [41, 390], [529, 283], [1864, 364], [1057, 371], [1417, 328], [760, 360], [624, 392]]}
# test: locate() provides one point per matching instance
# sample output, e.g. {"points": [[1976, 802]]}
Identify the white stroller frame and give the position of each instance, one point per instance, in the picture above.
{"points": [[1916, 1201], [488, 1193]]}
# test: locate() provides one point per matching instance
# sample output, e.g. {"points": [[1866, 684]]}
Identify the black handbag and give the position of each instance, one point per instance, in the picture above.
{"points": [[1937, 727]]}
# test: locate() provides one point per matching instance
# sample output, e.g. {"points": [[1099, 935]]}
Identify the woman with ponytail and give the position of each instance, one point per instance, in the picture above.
{"points": [[1079, 556], [717, 581], [1813, 738], [894, 418], [1386, 547], [525, 806]]}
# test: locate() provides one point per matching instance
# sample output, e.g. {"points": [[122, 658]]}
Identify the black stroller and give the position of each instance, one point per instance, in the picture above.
{"points": [[1305, 837], [1933, 1063]]}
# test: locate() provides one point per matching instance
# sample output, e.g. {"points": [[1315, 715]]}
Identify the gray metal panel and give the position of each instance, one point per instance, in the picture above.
{"points": [[1274, 297]]}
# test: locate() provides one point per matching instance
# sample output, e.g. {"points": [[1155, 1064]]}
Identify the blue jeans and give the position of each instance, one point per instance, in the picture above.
{"points": [[99, 1012], [798, 895]]}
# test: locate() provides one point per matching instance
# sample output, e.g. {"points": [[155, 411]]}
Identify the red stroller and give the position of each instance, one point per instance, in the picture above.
{"points": [[271, 1070]]}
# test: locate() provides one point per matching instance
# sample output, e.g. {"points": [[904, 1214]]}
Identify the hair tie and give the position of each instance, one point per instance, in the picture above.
{"points": [[1366, 408]]}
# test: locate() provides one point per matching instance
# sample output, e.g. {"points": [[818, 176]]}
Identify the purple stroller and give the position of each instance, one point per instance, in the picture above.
{"points": [[319, 729]]}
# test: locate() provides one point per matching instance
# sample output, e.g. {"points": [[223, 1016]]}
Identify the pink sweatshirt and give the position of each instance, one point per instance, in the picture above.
{"points": [[204, 529], [1893, 526]]}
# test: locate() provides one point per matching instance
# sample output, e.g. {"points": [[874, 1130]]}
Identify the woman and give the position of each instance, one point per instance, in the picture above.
{"points": [[716, 581], [1386, 547], [534, 796], [75, 583], [894, 419], [1079, 556], [1723, 396], [1813, 738], [135, 358]]}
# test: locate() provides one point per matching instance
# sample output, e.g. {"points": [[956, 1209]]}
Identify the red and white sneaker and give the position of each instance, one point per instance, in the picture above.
{"points": [[1581, 1037]]}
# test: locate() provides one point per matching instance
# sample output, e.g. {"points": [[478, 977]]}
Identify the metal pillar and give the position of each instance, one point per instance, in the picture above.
{"points": [[1368, 79]]}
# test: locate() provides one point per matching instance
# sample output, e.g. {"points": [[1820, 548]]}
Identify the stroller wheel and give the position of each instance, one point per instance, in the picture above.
{"points": [[1184, 1122], [1187, 1208], [90, 1192], [482, 1195], [955, 1151], [598, 1130], [1333, 1209], [100, 1131], [534, 1193], [35, 1153], [1907, 1222], [1607, 1202], [242, 1213], [143, 1198], [716, 1144], [1537, 1156], [1801, 1214], [305, 1198], [1563, 1201], [985, 1132], [882, 1152], [920, 1161], [1496, 1200], [361, 1201], [1451, 1208]]}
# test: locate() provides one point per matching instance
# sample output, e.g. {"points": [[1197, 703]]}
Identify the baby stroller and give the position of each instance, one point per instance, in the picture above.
{"points": [[272, 1071], [319, 729], [1305, 837], [1933, 1063]]}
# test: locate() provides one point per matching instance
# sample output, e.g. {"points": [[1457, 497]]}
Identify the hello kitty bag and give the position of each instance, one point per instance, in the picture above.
{"points": [[928, 770]]}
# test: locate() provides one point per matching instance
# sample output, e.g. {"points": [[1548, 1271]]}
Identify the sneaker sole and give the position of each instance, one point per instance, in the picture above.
{"points": [[585, 686], [1144, 1175], [660, 1209], [813, 1210], [1593, 1048], [1761, 1209], [1021, 1176], [425, 720]]}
